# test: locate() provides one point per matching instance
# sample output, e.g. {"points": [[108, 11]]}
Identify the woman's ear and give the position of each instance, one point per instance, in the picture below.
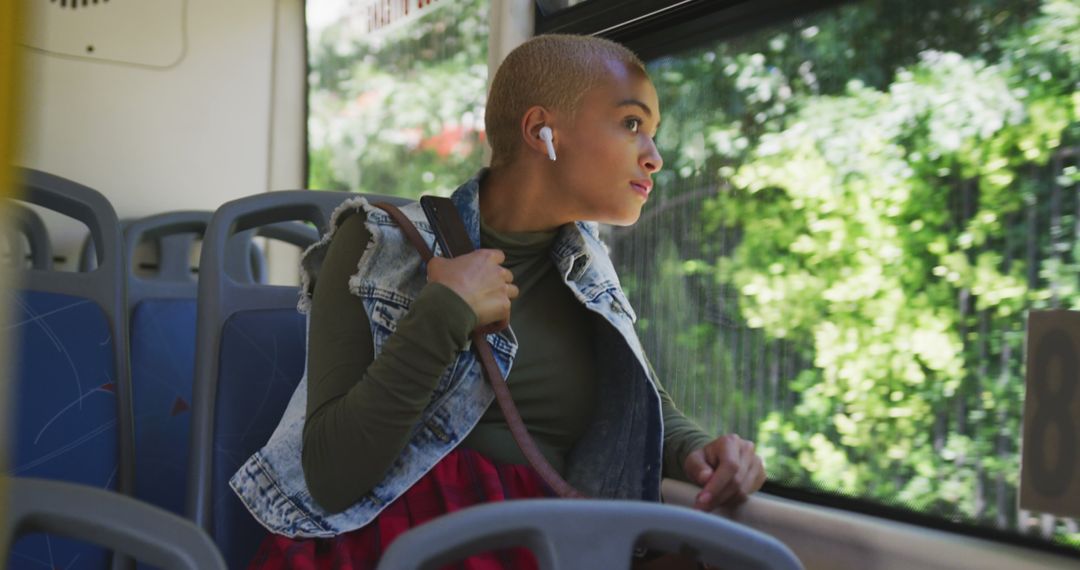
{"points": [[535, 119]]}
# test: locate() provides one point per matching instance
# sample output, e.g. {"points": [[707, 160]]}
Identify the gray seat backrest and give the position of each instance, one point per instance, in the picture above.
{"points": [[88, 254], [174, 234], [28, 231], [107, 519], [250, 355], [585, 535], [72, 371], [162, 312], [106, 287], [296, 233]]}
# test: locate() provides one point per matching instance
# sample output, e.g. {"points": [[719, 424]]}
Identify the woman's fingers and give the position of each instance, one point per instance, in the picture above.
{"points": [[480, 280]]}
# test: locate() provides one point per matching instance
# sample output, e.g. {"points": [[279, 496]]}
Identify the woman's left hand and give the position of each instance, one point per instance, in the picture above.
{"points": [[728, 470]]}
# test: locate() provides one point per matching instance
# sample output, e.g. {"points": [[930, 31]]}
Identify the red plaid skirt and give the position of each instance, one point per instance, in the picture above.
{"points": [[462, 479]]}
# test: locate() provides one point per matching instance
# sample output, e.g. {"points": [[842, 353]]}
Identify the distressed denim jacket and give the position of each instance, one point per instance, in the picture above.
{"points": [[620, 455]]}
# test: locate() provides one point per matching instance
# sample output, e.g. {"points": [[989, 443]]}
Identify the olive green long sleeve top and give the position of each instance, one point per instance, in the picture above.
{"points": [[362, 407]]}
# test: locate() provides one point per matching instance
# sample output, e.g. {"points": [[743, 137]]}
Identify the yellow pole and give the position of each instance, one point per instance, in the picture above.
{"points": [[10, 30]]}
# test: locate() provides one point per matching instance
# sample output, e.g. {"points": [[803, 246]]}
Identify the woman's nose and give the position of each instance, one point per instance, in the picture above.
{"points": [[651, 161]]}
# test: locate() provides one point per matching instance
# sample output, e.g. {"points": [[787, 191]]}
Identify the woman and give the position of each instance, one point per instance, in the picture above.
{"points": [[393, 426]]}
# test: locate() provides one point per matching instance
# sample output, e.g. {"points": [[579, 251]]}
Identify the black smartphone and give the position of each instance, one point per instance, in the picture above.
{"points": [[450, 231]]}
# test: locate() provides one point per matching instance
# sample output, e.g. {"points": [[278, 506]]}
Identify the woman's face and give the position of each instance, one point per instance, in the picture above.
{"points": [[606, 154]]}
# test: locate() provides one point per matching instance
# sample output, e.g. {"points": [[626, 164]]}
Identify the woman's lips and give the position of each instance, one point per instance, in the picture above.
{"points": [[642, 187]]}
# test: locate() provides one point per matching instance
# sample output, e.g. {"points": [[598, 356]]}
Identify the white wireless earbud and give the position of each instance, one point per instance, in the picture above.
{"points": [[545, 135]]}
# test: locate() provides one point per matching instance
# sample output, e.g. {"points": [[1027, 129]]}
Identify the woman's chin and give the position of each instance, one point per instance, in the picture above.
{"points": [[624, 219]]}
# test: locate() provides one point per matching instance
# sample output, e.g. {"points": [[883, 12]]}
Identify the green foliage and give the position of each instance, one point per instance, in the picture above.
{"points": [[400, 112], [891, 221]]}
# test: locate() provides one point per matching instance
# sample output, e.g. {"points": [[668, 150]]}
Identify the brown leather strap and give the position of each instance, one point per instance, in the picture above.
{"points": [[517, 426], [491, 370], [408, 229]]}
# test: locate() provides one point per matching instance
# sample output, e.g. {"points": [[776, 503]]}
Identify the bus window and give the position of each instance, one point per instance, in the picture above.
{"points": [[857, 209], [396, 96]]}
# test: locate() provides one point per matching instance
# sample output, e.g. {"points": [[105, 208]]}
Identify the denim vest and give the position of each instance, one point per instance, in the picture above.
{"points": [[620, 455]]}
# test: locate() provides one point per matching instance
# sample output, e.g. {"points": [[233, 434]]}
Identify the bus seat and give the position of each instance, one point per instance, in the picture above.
{"points": [[120, 523], [88, 257], [250, 356], [173, 249], [72, 384], [586, 534], [28, 239], [161, 313], [295, 233], [162, 316]]}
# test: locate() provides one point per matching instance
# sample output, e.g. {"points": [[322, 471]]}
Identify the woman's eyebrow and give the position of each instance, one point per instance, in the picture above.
{"points": [[643, 106]]}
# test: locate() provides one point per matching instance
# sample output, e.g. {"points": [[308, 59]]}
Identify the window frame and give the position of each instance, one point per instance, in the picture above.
{"points": [[893, 512], [659, 28]]}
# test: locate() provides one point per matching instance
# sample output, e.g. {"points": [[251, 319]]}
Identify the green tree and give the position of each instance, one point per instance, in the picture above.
{"points": [[400, 112], [879, 198]]}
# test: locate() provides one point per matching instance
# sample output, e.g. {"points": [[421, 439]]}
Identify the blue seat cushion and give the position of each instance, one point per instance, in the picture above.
{"points": [[162, 368], [261, 361], [65, 410]]}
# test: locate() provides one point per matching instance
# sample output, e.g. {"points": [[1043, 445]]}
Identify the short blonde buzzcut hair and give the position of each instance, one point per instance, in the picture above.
{"points": [[553, 71]]}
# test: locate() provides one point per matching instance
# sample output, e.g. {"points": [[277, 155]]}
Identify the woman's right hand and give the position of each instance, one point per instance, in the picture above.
{"points": [[479, 279]]}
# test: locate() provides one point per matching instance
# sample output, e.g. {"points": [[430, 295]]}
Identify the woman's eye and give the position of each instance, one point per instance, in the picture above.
{"points": [[633, 124]]}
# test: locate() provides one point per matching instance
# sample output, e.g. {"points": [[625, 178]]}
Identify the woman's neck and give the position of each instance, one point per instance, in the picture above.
{"points": [[517, 198]]}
